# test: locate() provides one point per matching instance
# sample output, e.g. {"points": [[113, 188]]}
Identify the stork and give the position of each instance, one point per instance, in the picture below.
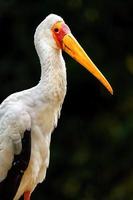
{"points": [[28, 118]]}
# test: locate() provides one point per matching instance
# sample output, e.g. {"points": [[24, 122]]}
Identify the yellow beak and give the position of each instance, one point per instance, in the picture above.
{"points": [[73, 48]]}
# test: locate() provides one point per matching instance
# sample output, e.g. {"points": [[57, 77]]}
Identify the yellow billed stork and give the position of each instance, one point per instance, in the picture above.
{"points": [[27, 118]]}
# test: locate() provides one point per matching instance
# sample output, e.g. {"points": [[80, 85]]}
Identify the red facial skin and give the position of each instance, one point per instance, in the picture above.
{"points": [[59, 30]]}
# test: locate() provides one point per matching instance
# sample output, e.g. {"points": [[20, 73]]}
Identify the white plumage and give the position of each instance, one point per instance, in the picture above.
{"points": [[36, 109]]}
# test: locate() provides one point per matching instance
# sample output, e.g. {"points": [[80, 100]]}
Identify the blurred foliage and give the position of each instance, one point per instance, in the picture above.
{"points": [[91, 150]]}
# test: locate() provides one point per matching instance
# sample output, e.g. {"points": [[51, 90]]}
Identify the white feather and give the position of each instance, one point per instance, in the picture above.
{"points": [[37, 109]]}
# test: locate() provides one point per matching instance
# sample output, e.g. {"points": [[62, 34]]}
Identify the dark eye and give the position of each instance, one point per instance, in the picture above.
{"points": [[56, 30]]}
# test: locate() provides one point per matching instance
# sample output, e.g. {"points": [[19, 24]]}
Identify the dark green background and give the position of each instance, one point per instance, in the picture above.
{"points": [[92, 148]]}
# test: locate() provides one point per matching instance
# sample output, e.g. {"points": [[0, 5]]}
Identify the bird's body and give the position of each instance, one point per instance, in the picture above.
{"points": [[44, 111], [40, 107], [35, 110]]}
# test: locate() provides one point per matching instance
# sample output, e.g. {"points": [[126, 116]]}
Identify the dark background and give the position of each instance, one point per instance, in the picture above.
{"points": [[92, 147]]}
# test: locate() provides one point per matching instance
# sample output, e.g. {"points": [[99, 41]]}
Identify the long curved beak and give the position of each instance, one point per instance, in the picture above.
{"points": [[73, 48]]}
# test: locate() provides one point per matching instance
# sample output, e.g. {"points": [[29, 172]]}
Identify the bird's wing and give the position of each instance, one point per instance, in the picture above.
{"points": [[15, 150]]}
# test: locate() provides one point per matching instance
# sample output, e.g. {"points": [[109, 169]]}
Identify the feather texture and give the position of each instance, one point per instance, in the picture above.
{"points": [[36, 109], [9, 186]]}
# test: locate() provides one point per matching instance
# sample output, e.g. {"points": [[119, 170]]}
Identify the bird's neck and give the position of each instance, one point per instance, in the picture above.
{"points": [[53, 72]]}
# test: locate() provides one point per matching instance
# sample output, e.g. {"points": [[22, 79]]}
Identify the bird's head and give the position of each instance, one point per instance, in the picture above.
{"points": [[58, 35]]}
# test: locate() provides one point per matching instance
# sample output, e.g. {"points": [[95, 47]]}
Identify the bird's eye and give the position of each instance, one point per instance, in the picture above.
{"points": [[56, 30]]}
